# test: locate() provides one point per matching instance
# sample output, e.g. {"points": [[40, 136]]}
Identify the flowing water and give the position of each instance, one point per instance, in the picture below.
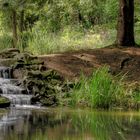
{"points": [[9, 88], [23, 121]]}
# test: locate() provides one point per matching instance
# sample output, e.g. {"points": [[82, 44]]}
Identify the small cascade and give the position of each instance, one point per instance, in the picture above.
{"points": [[6, 72], [9, 89], [18, 99]]}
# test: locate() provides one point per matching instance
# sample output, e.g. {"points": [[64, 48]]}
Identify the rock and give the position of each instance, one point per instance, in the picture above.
{"points": [[42, 68], [1, 91], [34, 100], [12, 50], [18, 65], [37, 62], [50, 100], [25, 56], [19, 73], [9, 53], [44, 86], [7, 62], [35, 74], [4, 102], [20, 61], [24, 91], [42, 83]]}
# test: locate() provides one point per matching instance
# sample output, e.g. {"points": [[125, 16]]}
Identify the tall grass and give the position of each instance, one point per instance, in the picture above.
{"points": [[102, 90], [69, 38], [5, 41]]}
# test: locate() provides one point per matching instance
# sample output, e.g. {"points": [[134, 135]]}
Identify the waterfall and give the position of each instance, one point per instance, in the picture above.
{"points": [[5, 72], [9, 89]]}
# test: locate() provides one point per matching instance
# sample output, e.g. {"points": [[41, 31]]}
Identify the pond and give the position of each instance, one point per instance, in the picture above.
{"points": [[68, 124]]}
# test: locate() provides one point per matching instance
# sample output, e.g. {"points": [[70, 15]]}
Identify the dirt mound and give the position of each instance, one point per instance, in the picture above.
{"points": [[71, 64]]}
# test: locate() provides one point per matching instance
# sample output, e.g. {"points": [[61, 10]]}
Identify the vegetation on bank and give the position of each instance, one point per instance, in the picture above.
{"points": [[49, 88], [41, 27], [102, 90]]}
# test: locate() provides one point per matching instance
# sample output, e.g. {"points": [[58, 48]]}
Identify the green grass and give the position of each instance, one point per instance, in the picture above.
{"points": [[5, 41], [102, 90], [74, 38], [40, 42], [70, 38]]}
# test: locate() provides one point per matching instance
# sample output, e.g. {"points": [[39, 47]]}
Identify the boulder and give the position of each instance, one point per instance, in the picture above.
{"points": [[4, 102], [45, 86]]}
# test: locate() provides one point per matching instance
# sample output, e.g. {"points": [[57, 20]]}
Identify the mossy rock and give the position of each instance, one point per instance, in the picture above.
{"points": [[29, 67], [9, 53], [7, 62], [46, 75], [50, 100], [4, 102], [26, 57]]}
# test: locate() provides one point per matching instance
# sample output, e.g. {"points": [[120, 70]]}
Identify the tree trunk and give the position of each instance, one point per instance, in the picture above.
{"points": [[125, 31], [21, 24], [14, 28], [21, 28]]}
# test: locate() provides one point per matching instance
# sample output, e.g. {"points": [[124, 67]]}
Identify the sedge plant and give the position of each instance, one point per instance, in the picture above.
{"points": [[101, 90]]}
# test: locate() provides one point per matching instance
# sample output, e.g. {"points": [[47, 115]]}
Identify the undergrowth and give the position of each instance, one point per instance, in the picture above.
{"points": [[102, 90], [69, 38]]}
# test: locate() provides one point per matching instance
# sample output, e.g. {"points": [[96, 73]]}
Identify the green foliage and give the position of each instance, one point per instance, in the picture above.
{"points": [[57, 14], [111, 10], [102, 90], [62, 25], [5, 41], [41, 41]]}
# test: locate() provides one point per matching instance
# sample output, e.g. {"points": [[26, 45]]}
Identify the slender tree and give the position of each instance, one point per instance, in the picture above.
{"points": [[14, 28], [15, 13], [125, 31]]}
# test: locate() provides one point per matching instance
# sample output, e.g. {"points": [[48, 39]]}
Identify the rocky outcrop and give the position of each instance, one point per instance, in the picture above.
{"points": [[9, 53], [44, 84]]}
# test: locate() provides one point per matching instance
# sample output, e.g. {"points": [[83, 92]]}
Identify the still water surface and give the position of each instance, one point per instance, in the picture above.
{"points": [[66, 124]]}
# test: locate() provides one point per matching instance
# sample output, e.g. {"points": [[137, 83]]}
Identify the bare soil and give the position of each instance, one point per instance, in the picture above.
{"points": [[120, 60]]}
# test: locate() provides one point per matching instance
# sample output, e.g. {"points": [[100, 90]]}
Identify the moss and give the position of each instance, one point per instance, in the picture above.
{"points": [[4, 102]]}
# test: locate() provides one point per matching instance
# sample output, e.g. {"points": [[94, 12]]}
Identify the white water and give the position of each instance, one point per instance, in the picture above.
{"points": [[5, 72], [20, 103], [19, 99], [10, 90]]}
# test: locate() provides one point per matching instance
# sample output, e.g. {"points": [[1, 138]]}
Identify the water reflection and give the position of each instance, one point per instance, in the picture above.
{"points": [[64, 124]]}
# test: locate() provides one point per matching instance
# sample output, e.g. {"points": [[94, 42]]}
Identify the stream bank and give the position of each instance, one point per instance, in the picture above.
{"points": [[46, 77]]}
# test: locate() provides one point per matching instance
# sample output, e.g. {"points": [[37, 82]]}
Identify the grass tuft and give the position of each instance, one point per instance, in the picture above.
{"points": [[102, 90]]}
